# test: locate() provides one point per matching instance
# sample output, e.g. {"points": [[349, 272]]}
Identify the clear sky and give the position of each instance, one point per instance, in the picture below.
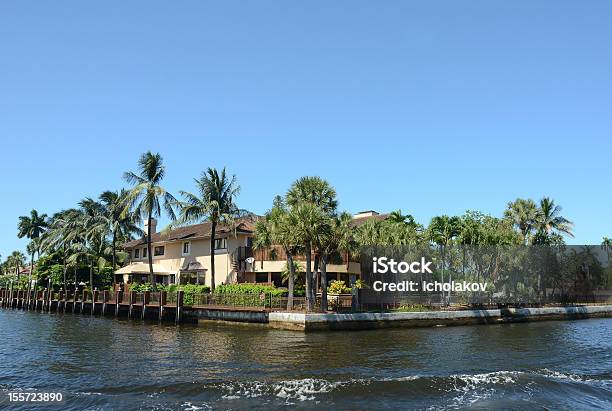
{"points": [[431, 106]]}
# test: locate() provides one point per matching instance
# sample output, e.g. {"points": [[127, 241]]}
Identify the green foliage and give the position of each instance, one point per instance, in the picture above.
{"points": [[338, 287], [256, 289], [360, 284]]}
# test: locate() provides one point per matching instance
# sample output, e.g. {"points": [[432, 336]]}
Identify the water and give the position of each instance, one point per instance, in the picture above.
{"points": [[103, 363]]}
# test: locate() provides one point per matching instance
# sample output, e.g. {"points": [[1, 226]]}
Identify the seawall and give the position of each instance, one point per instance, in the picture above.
{"points": [[362, 321]]}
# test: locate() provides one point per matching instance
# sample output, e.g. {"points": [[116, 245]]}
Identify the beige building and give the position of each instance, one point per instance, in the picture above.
{"points": [[183, 256]]}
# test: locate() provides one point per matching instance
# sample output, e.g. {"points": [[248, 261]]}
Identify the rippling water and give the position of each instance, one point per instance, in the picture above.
{"points": [[103, 363]]}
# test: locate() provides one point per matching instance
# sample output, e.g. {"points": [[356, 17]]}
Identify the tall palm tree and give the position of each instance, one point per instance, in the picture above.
{"points": [[120, 224], [32, 227], [311, 199], [336, 235], [308, 221], [442, 230], [214, 202], [147, 197], [275, 229], [61, 236], [549, 220], [524, 216]]}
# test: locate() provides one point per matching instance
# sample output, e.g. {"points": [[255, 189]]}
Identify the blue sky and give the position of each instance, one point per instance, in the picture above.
{"points": [[431, 107]]}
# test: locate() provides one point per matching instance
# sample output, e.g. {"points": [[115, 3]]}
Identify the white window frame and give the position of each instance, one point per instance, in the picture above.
{"points": [[136, 251], [161, 255], [223, 242], [144, 252], [188, 243]]}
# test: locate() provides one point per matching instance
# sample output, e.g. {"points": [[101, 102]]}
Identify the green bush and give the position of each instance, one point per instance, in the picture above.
{"points": [[338, 287], [256, 289]]}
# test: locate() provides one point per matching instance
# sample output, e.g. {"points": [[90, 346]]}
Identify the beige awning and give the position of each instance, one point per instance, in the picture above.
{"points": [[143, 268], [192, 266]]}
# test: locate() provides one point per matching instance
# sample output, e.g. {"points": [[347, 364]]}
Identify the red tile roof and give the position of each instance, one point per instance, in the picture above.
{"points": [[195, 231]]}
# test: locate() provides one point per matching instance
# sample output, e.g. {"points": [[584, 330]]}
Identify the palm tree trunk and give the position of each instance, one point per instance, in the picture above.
{"points": [[291, 284], [31, 268], [212, 255], [324, 282], [149, 254], [91, 277], [114, 252], [309, 295], [65, 267]]}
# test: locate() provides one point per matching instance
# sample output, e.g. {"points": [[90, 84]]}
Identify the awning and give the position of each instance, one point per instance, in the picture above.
{"points": [[192, 266], [143, 268]]}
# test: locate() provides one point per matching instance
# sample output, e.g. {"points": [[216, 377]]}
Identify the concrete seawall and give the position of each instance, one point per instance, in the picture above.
{"points": [[360, 321]]}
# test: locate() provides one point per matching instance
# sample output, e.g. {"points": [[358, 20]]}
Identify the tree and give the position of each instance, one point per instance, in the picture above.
{"points": [[16, 260], [147, 197], [214, 202], [442, 230], [524, 216], [120, 224], [276, 229], [550, 225], [62, 235], [311, 200], [32, 227], [336, 235]]}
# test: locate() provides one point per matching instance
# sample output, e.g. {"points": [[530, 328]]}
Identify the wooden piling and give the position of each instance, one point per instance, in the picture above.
{"points": [[179, 306], [132, 298], [162, 302], [145, 300], [104, 301], [118, 297]]}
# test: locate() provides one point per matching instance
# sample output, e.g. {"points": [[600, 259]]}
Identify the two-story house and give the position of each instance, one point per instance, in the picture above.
{"points": [[182, 255]]}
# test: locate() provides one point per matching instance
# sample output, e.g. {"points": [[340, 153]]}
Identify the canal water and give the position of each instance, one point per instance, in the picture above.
{"points": [[103, 363]]}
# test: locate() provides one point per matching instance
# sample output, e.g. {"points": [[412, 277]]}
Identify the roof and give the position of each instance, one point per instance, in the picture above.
{"points": [[196, 231], [357, 221]]}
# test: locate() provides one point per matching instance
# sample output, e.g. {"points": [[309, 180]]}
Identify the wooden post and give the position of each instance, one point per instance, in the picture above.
{"points": [[118, 297], [145, 300], [28, 296], [104, 301], [65, 299], [132, 301], [96, 295], [83, 298], [179, 306], [162, 302]]}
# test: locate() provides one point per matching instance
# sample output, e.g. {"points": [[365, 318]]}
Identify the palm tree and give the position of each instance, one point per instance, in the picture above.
{"points": [[61, 236], [16, 260], [442, 230], [32, 227], [549, 221], [524, 216], [121, 225], [147, 196], [275, 229], [214, 202], [308, 221], [311, 199], [335, 236]]}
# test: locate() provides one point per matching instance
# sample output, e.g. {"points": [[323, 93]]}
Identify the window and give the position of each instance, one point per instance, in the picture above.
{"points": [[159, 250], [220, 243], [249, 242], [144, 252], [186, 248], [137, 253]]}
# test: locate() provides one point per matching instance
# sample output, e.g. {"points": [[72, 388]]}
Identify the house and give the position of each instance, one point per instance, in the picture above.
{"points": [[182, 255]]}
